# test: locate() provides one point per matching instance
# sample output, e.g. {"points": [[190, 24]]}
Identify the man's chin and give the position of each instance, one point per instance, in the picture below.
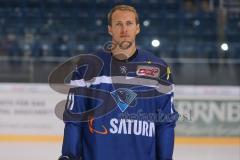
{"points": [[126, 44], [126, 39]]}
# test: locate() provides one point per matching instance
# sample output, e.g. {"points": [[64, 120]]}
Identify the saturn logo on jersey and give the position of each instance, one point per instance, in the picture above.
{"points": [[149, 71], [92, 130], [124, 126]]}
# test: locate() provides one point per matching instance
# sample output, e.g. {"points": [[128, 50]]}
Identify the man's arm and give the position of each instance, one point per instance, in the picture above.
{"points": [[165, 129], [169, 116], [72, 141], [72, 145]]}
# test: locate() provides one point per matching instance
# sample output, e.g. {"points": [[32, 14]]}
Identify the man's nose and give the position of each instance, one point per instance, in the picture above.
{"points": [[124, 29]]}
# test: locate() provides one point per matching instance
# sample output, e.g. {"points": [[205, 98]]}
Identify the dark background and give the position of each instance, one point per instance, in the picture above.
{"points": [[36, 36]]}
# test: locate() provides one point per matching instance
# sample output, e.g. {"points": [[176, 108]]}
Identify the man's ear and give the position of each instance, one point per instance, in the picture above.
{"points": [[110, 29], [138, 29]]}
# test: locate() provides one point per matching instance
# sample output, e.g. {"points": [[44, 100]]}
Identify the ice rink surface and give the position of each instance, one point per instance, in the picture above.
{"points": [[207, 152], [50, 151]]}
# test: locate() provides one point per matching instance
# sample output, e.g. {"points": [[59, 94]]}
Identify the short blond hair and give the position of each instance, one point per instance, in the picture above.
{"points": [[122, 8]]}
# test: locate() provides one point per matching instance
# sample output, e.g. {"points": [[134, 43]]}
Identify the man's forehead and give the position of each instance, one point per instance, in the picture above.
{"points": [[120, 14]]}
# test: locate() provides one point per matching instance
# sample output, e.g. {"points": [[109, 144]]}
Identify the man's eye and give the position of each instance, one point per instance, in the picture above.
{"points": [[129, 23]]}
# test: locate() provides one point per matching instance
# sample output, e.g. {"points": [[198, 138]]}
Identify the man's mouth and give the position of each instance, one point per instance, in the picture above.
{"points": [[124, 36]]}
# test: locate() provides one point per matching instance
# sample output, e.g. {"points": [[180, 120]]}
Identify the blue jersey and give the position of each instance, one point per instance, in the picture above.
{"points": [[125, 109]]}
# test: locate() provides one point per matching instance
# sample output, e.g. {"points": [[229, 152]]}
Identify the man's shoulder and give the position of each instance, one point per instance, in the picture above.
{"points": [[165, 71], [102, 53], [152, 58]]}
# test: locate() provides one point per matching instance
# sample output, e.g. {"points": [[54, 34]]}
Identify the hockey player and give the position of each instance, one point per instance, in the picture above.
{"points": [[127, 112]]}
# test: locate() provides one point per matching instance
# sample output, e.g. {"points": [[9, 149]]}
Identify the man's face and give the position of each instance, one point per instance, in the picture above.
{"points": [[124, 27]]}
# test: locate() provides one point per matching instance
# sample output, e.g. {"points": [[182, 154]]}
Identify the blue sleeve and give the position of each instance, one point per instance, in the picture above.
{"points": [[165, 127], [72, 141], [72, 145]]}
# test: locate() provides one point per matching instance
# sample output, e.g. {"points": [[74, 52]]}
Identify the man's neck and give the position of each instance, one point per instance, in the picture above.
{"points": [[122, 54]]}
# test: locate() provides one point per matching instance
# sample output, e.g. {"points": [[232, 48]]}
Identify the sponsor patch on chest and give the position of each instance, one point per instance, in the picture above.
{"points": [[149, 71]]}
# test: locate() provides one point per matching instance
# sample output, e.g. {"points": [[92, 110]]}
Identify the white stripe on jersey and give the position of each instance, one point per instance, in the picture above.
{"points": [[124, 80]]}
